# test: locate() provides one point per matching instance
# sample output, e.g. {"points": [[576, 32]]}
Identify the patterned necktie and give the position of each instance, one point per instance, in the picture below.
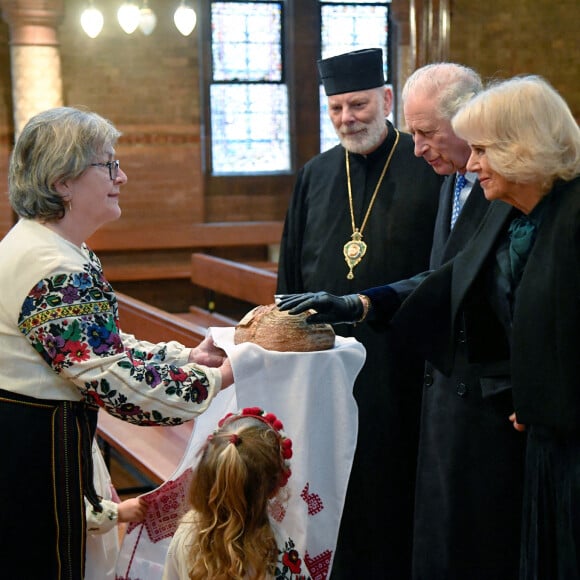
{"points": [[460, 182]]}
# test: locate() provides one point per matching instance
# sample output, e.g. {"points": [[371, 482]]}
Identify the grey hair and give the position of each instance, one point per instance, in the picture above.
{"points": [[452, 84], [527, 129], [55, 145]]}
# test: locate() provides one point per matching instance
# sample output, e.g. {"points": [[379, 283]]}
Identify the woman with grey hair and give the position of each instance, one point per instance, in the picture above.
{"points": [[62, 353]]}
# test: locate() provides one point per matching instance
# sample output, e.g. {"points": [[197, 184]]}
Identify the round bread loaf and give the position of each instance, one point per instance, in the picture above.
{"points": [[273, 329]]}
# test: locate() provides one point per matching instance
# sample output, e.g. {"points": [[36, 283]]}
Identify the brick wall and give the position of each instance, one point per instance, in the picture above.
{"points": [[136, 79], [148, 87], [502, 38]]}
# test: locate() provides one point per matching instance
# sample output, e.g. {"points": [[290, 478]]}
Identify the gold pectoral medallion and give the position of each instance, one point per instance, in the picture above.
{"points": [[353, 251]]}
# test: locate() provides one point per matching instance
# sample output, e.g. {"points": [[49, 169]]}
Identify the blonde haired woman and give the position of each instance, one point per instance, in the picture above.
{"points": [[526, 151]]}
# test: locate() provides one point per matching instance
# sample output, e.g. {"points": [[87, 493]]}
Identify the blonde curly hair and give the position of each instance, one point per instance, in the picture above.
{"points": [[241, 468], [527, 129]]}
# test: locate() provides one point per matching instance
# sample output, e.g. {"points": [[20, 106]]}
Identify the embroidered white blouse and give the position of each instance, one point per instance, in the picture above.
{"points": [[60, 337]]}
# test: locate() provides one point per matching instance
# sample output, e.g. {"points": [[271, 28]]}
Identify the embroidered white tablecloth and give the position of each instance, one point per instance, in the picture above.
{"points": [[311, 393]]}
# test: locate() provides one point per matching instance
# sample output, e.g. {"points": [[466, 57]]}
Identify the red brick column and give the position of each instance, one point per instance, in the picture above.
{"points": [[35, 56]]}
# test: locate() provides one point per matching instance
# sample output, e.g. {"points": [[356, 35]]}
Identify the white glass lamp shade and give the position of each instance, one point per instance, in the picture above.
{"points": [[128, 16], [185, 19], [92, 22], [147, 20]]}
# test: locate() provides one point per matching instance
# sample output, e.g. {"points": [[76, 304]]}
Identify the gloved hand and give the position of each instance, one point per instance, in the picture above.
{"points": [[330, 309]]}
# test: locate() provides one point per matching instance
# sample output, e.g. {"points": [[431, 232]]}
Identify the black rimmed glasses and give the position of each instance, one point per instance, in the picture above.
{"points": [[113, 167]]}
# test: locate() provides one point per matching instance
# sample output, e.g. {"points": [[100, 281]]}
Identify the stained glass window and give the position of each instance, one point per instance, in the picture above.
{"points": [[347, 26], [249, 128], [246, 41], [248, 96]]}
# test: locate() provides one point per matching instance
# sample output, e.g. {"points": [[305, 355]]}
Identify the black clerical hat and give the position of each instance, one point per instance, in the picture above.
{"points": [[354, 71]]}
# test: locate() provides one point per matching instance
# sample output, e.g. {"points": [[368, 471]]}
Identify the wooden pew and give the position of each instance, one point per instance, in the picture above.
{"points": [[154, 451], [207, 318], [164, 254], [197, 235], [147, 322], [253, 283]]}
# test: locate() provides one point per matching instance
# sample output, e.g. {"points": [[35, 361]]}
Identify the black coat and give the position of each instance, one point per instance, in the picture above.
{"points": [[470, 457], [449, 319], [446, 242], [546, 353], [375, 534], [544, 364]]}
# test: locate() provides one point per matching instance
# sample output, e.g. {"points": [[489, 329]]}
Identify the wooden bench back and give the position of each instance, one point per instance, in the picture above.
{"points": [[164, 253], [246, 282], [193, 236], [155, 325]]}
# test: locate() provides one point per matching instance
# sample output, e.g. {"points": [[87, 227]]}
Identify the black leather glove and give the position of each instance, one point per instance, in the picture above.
{"points": [[330, 309]]}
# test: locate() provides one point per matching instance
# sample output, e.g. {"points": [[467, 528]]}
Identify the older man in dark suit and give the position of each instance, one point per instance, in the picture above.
{"points": [[469, 456]]}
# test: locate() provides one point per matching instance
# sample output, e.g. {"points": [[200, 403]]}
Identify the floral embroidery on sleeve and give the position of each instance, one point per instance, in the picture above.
{"points": [[72, 319], [66, 318]]}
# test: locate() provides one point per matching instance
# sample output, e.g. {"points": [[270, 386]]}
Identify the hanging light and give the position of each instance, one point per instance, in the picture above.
{"points": [[128, 16], [92, 21], [185, 19], [147, 19]]}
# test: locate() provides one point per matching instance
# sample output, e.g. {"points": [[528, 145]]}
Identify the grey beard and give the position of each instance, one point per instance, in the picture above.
{"points": [[368, 142]]}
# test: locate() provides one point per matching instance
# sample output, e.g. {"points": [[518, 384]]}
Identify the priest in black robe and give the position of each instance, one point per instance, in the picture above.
{"points": [[363, 214]]}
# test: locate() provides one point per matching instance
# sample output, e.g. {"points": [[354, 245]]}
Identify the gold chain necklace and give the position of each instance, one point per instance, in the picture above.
{"points": [[355, 248]]}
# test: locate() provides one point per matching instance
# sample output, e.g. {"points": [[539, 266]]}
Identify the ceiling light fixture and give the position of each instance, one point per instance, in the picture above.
{"points": [[92, 21], [131, 17], [128, 16], [147, 19], [185, 19]]}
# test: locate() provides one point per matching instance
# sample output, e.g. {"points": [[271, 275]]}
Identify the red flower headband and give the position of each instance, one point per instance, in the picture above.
{"points": [[273, 421]]}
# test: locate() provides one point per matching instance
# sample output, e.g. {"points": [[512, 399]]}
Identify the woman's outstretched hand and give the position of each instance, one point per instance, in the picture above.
{"points": [[207, 353], [330, 309]]}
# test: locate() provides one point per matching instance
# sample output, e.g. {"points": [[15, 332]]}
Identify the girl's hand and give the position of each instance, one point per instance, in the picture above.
{"points": [[132, 510]]}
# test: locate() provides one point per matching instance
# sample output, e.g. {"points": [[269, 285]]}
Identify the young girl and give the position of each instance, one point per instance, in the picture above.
{"points": [[228, 533]]}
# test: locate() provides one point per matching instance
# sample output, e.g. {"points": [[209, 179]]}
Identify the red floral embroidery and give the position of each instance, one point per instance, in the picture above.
{"points": [[292, 560]]}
